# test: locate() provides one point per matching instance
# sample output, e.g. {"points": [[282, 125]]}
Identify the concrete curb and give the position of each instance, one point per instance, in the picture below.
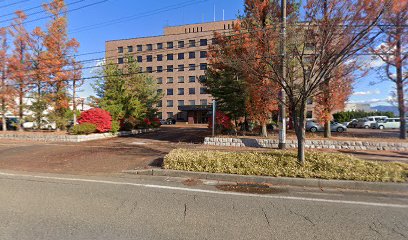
{"points": [[298, 182]]}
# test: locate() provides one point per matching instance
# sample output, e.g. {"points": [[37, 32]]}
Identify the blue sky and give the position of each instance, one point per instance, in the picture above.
{"points": [[147, 18]]}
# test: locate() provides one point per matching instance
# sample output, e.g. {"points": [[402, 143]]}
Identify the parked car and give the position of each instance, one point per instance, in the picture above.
{"points": [[163, 122], [312, 126], [367, 121], [171, 121], [11, 123], [389, 123], [352, 123], [45, 125]]}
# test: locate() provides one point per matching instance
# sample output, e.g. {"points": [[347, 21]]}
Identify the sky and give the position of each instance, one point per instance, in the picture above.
{"points": [[92, 22]]}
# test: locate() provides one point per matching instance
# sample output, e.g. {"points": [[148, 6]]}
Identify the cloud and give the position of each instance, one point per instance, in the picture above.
{"points": [[366, 93], [374, 100], [97, 66]]}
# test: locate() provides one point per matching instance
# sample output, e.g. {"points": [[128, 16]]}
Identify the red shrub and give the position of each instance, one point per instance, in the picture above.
{"points": [[101, 118], [222, 121]]}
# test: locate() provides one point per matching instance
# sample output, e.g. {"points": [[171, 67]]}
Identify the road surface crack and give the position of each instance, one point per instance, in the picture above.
{"points": [[266, 217], [133, 207], [185, 211], [302, 216], [372, 225]]}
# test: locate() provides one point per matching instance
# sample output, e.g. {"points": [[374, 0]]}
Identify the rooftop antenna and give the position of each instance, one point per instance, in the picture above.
{"points": [[223, 15], [214, 12]]}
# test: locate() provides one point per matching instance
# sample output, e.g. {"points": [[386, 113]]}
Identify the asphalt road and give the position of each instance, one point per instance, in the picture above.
{"points": [[123, 207]]}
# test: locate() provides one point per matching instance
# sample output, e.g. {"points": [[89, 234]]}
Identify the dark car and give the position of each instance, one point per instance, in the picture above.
{"points": [[11, 123], [171, 121]]}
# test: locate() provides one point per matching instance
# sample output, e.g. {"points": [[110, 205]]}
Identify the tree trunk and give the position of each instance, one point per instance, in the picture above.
{"points": [[299, 119], [264, 132], [327, 129], [20, 111], [400, 83], [74, 102]]}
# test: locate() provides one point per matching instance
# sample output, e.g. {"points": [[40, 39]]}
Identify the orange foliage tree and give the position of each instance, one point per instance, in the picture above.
{"points": [[393, 52], [59, 60], [19, 63]]}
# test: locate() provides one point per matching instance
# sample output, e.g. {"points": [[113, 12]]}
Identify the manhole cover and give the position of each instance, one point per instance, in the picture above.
{"points": [[250, 188]]}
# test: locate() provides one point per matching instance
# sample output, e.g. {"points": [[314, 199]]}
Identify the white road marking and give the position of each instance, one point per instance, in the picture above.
{"points": [[207, 191]]}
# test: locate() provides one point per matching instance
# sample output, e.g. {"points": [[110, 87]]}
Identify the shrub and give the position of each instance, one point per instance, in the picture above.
{"points": [[115, 126], [156, 122], [280, 163], [128, 124], [223, 122], [83, 128], [99, 117]]}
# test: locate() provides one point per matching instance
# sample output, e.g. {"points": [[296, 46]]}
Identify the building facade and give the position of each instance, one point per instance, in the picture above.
{"points": [[178, 61]]}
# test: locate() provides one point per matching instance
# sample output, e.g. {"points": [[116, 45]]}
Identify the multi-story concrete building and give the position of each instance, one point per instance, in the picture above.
{"points": [[177, 60]]}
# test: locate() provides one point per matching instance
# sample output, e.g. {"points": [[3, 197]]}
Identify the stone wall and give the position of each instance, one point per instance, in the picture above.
{"points": [[328, 144], [44, 137]]}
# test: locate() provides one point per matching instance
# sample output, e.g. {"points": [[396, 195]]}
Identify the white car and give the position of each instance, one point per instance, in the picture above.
{"points": [[389, 123], [45, 124], [367, 121]]}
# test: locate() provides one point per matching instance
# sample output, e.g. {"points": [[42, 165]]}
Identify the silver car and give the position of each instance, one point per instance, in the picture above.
{"points": [[312, 126]]}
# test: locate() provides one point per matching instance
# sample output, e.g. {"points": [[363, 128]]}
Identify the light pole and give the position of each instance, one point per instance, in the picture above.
{"points": [[213, 117], [282, 105]]}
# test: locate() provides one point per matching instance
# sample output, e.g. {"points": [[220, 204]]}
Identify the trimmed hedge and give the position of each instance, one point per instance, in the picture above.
{"points": [[278, 163], [83, 129]]}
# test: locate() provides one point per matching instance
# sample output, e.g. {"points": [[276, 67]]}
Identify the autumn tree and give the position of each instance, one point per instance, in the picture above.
{"points": [[393, 44], [7, 92], [58, 59], [332, 97], [19, 64]]}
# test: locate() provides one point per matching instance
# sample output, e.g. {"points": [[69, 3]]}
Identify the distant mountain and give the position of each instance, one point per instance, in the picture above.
{"points": [[385, 108]]}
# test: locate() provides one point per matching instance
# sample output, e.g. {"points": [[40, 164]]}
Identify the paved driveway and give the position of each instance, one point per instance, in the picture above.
{"points": [[103, 156]]}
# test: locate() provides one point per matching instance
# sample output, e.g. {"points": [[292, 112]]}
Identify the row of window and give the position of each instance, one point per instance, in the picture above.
{"points": [[180, 79], [169, 57], [180, 91], [170, 103], [170, 45], [180, 68]]}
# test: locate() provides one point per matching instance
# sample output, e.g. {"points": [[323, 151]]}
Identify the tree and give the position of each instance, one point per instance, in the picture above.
{"points": [[7, 92], [19, 63], [332, 97], [58, 59], [326, 35], [392, 51], [125, 92], [77, 82]]}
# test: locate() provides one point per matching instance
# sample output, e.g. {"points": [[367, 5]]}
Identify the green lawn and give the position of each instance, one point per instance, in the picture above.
{"points": [[279, 163]]}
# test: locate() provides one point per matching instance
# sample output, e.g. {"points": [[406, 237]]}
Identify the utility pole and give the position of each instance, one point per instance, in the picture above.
{"points": [[282, 105]]}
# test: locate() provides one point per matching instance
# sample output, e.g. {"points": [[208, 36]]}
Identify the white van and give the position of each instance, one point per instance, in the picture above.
{"points": [[389, 123], [367, 121]]}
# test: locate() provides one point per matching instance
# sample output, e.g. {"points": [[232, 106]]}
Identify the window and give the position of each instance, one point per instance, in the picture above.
{"points": [[203, 66], [191, 43], [181, 67], [191, 102], [203, 54], [203, 42], [169, 45], [170, 115], [139, 48], [310, 101], [159, 80], [149, 69], [191, 55], [170, 57], [131, 59], [140, 69], [160, 57], [139, 59], [160, 46], [149, 58], [191, 67], [309, 114], [159, 91], [180, 91], [169, 103], [181, 56], [203, 90], [191, 79], [180, 103], [159, 115], [170, 91], [170, 68], [170, 80], [149, 47], [160, 104], [191, 91], [130, 48], [202, 79], [120, 60], [214, 41], [181, 44], [159, 69], [120, 49], [203, 102]]}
